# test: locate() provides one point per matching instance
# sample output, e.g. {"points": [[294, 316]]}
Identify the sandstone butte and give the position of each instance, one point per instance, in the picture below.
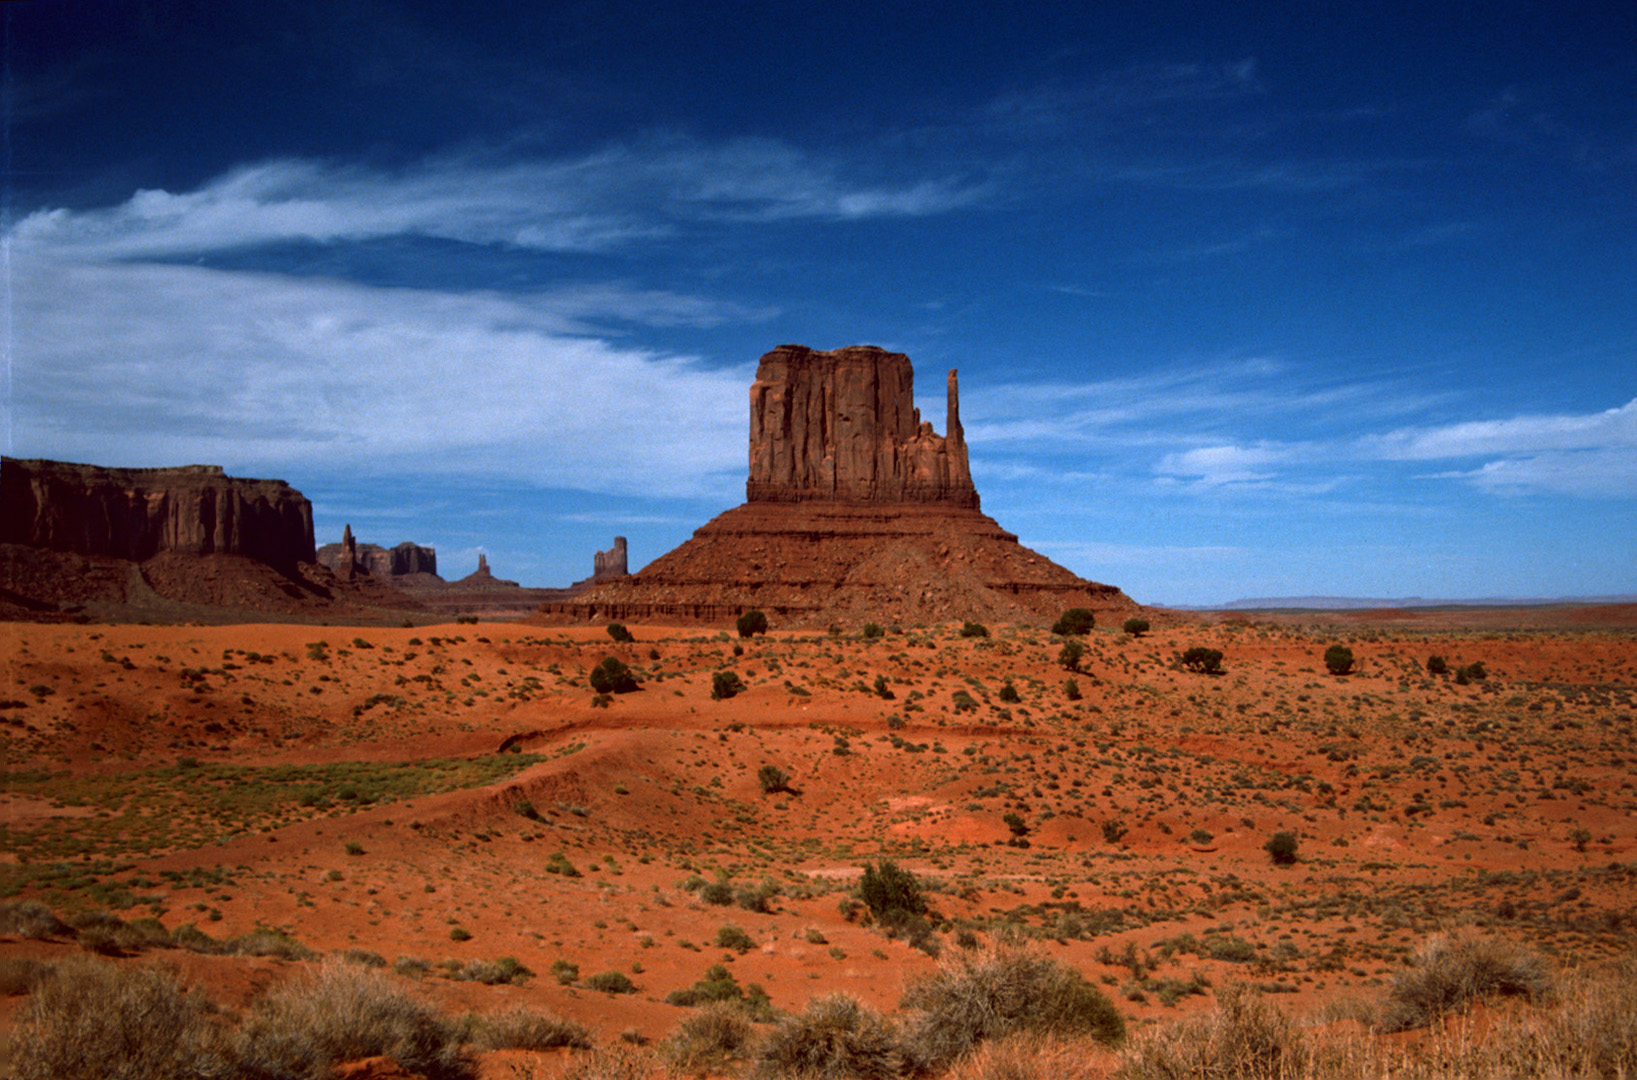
{"points": [[855, 511]]}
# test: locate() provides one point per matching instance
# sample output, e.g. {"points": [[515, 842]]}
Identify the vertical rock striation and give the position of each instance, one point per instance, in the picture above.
{"points": [[139, 513], [842, 426]]}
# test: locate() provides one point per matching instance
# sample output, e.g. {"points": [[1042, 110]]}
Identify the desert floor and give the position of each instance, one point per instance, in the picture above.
{"points": [[442, 795]]}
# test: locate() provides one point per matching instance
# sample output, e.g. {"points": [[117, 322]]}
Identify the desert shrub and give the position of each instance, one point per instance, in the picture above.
{"points": [[340, 1012], [30, 919], [1113, 830], [963, 701], [1437, 665], [1474, 671], [1281, 848], [834, 1037], [707, 1042], [1014, 821], [1201, 659], [719, 985], [732, 937], [520, 1028], [756, 897], [19, 974], [1072, 653], [610, 982], [1071, 689], [1245, 1038], [772, 779], [873, 630], [890, 892], [883, 689], [1338, 659], [558, 863], [564, 971], [90, 1020], [1452, 972], [1596, 1023], [505, 969], [751, 623], [1029, 1057], [1135, 627], [365, 957], [1075, 621], [726, 684], [974, 629], [619, 633], [613, 677], [718, 893], [984, 994], [1008, 693]]}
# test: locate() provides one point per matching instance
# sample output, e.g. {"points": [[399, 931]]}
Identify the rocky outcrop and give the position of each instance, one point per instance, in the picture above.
{"points": [[609, 565], [843, 425], [136, 514], [857, 512], [349, 558]]}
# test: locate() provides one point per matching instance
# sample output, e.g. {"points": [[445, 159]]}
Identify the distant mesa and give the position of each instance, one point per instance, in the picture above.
{"points": [[165, 543], [856, 510]]}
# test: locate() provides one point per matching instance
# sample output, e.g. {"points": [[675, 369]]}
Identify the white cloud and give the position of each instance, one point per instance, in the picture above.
{"points": [[1219, 465], [593, 202], [131, 364], [1608, 429]]}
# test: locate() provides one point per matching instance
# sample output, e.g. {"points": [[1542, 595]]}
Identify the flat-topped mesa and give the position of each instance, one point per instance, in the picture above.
{"points": [[842, 426], [139, 513]]}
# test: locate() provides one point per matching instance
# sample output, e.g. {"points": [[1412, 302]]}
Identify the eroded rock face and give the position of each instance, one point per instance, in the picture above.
{"points": [[139, 513], [610, 564], [842, 426]]}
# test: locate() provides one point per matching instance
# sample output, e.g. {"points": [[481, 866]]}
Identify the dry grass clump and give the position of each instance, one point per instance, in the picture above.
{"points": [[1450, 973], [998, 991], [30, 919], [89, 1020], [835, 1037], [342, 1012], [20, 974], [1030, 1057], [617, 1061], [520, 1028], [1245, 1038], [708, 1041]]}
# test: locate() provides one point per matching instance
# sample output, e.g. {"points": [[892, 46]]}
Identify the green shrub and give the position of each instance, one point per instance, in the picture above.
{"points": [[1338, 659], [1281, 848], [751, 623], [1071, 689], [610, 982], [1199, 658], [974, 629], [613, 677], [1002, 990], [726, 684], [30, 919], [772, 779], [1437, 665], [1072, 653], [1075, 621], [1014, 821], [882, 689], [719, 893], [834, 1036], [873, 630], [520, 1028], [1475, 671], [1008, 693], [619, 633], [886, 889], [558, 863], [90, 1020], [1113, 830], [340, 1012], [1135, 627], [732, 937], [566, 972]]}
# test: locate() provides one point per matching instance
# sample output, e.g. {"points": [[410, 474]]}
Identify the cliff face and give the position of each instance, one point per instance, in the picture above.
{"points": [[610, 564], [139, 513], [842, 426]]}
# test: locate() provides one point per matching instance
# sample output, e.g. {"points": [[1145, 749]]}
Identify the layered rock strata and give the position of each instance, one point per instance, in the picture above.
{"points": [[136, 514], [857, 511]]}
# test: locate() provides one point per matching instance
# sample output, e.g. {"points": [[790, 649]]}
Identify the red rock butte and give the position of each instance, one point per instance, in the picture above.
{"points": [[856, 511]]}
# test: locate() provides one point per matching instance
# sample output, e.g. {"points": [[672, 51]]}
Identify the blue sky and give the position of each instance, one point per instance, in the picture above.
{"points": [[1247, 300]]}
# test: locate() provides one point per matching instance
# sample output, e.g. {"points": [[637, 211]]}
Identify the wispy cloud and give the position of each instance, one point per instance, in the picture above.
{"points": [[597, 201], [1609, 429]]}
